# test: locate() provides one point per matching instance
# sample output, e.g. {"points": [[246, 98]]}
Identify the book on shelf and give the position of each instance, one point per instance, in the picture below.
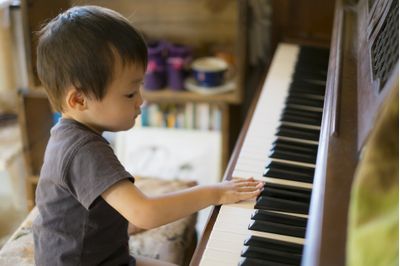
{"points": [[198, 116], [203, 116]]}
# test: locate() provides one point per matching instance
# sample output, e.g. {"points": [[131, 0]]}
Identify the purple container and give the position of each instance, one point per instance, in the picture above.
{"points": [[155, 77], [179, 57]]}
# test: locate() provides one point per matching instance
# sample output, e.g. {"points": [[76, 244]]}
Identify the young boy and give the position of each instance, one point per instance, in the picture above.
{"points": [[91, 62]]}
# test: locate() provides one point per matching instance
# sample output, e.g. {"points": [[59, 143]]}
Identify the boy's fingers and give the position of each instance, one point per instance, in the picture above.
{"points": [[248, 181], [247, 189], [245, 184], [239, 180], [256, 184], [249, 195], [260, 185]]}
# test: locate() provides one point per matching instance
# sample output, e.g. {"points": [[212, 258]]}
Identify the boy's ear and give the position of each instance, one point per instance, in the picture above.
{"points": [[76, 100]]}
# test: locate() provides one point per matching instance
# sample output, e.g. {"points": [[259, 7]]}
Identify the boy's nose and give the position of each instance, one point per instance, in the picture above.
{"points": [[140, 100]]}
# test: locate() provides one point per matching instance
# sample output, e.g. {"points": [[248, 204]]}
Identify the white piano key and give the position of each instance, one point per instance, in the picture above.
{"points": [[246, 174], [213, 257], [249, 164], [284, 182]]}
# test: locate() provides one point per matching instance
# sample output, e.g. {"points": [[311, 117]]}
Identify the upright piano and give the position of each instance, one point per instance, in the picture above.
{"points": [[304, 137]]}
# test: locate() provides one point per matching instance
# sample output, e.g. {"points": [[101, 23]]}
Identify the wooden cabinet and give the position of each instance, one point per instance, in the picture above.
{"points": [[35, 119], [307, 22]]}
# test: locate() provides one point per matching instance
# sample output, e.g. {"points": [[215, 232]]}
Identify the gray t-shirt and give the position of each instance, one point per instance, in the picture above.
{"points": [[75, 226]]}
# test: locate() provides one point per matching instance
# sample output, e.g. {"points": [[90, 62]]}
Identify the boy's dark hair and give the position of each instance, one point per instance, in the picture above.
{"points": [[78, 48]]}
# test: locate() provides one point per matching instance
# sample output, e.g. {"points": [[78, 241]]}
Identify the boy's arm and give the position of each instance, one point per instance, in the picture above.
{"points": [[149, 212]]}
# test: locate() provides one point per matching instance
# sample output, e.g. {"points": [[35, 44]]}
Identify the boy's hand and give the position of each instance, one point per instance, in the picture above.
{"points": [[238, 190]]}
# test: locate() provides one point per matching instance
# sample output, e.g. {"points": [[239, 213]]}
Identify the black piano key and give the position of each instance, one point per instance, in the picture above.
{"points": [[311, 146], [313, 89], [303, 113], [304, 102], [312, 55], [283, 205], [275, 244], [286, 194], [293, 149], [289, 172], [258, 262], [314, 70], [299, 89], [287, 175], [310, 62], [288, 220], [313, 59], [308, 171], [320, 51], [300, 147], [287, 118], [275, 228], [293, 156], [307, 85], [309, 74], [300, 119], [280, 218], [298, 133], [305, 94], [306, 71], [310, 59], [307, 91], [293, 153], [271, 255], [313, 66], [289, 188]]}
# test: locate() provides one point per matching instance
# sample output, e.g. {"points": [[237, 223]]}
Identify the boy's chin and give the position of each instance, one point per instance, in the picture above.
{"points": [[125, 127], [120, 126]]}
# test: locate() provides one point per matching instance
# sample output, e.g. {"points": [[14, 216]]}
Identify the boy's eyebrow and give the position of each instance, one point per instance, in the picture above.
{"points": [[137, 80]]}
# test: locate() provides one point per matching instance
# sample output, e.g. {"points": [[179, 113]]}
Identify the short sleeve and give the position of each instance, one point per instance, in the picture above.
{"points": [[92, 170]]}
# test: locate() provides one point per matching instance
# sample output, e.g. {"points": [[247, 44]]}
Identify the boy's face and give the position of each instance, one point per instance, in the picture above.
{"points": [[120, 106]]}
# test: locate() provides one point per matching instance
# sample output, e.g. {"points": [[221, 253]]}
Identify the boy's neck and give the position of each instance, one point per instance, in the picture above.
{"points": [[81, 121]]}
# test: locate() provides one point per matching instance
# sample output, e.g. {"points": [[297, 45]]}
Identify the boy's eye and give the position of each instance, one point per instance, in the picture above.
{"points": [[130, 95]]}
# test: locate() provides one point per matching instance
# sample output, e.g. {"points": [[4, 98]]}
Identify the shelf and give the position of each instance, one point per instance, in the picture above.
{"points": [[168, 95]]}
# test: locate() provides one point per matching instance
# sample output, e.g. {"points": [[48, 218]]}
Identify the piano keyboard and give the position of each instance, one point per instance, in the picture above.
{"points": [[280, 148]]}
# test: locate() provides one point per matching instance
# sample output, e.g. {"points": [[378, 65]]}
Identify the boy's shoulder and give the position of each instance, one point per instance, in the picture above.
{"points": [[71, 132], [71, 144], [68, 138]]}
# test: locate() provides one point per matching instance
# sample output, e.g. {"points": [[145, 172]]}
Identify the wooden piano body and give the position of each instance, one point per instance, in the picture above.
{"points": [[363, 71]]}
